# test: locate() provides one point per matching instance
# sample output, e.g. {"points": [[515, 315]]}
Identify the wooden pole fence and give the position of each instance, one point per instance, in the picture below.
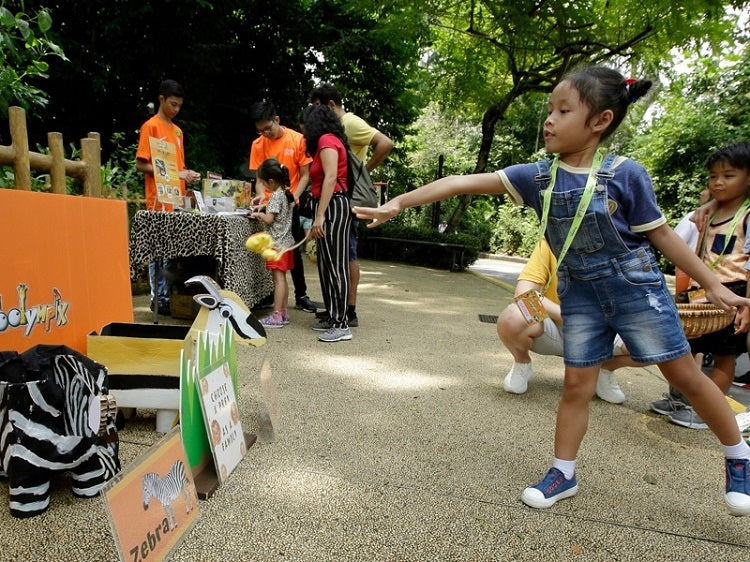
{"points": [[87, 169]]}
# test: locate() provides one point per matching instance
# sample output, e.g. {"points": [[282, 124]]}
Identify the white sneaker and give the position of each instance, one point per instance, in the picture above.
{"points": [[517, 379], [607, 388], [618, 347]]}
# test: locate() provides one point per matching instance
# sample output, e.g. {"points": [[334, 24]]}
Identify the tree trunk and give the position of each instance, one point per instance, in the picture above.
{"points": [[494, 114]]}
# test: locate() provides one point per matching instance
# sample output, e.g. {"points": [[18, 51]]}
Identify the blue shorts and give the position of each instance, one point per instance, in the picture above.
{"points": [[627, 296], [353, 239]]}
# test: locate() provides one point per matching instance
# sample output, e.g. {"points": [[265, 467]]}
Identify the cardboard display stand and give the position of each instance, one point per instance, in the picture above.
{"points": [[166, 174], [215, 357]]}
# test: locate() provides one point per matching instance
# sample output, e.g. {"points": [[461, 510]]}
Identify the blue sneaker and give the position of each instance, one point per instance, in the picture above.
{"points": [[738, 486], [554, 486]]}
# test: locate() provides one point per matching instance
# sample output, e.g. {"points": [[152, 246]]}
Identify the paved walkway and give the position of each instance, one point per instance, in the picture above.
{"points": [[401, 445]]}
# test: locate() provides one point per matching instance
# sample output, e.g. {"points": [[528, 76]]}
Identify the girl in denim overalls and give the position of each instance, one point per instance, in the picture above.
{"points": [[609, 281]]}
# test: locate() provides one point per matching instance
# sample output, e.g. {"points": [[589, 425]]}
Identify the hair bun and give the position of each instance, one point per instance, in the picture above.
{"points": [[636, 89]]}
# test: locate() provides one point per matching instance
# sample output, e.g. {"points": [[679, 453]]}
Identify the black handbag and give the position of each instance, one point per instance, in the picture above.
{"points": [[306, 204]]}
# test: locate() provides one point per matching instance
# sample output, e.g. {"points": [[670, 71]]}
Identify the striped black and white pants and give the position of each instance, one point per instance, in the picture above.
{"points": [[333, 258]]}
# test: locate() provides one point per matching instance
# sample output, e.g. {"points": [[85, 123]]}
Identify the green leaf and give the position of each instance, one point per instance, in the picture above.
{"points": [[45, 21], [6, 17], [24, 29]]}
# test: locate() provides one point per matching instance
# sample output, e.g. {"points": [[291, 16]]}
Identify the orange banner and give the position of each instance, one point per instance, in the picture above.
{"points": [[65, 269]]}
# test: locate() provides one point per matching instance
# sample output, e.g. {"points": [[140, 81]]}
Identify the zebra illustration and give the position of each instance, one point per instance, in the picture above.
{"points": [[50, 422], [166, 490]]}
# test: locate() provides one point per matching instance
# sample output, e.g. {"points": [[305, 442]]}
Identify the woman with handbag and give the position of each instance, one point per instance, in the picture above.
{"points": [[332, 217]]}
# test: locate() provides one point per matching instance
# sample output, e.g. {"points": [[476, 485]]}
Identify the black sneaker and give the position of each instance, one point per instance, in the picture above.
{"points": [[352, 319], [305, 305], [742, 380], [321, 314], [164, 309]]}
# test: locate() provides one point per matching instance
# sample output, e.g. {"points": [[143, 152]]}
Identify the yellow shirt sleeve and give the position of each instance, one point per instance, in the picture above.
{"points": [[540, 266], [358, 133]]}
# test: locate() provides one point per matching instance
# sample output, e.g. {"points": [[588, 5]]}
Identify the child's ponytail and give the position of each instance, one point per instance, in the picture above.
{"points": [[636, 89], [603, 88], [272, 169]]}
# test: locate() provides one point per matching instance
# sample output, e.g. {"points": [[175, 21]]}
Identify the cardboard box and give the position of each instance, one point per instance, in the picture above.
{"points": [[183, 306], [143, 362], [138, 349]]}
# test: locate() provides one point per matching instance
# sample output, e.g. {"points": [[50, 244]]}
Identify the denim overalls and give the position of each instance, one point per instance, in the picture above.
{"points": [[606, 288]]}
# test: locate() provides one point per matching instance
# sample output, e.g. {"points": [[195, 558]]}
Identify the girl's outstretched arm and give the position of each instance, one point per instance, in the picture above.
{"points": [[450, 186], [680, 254]]}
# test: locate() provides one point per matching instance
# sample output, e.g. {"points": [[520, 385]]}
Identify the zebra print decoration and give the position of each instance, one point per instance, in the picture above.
{"points": [[167, 489], [50, 411]]}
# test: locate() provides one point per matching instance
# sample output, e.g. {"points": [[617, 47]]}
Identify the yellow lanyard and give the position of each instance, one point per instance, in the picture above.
{"points": [[583, 205]]}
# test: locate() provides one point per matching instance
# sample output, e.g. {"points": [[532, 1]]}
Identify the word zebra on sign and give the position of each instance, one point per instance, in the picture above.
{"points": [[166, 490]]}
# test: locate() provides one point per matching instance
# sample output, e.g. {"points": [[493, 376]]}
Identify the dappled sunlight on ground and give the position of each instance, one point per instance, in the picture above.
{"points": [[372, 373]]}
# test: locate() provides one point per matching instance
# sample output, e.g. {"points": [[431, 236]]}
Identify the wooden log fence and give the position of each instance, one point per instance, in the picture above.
{"points": [[87, 169]]}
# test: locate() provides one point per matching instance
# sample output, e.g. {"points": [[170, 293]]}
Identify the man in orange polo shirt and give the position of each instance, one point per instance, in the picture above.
{"points": [[162, 127], [288, 147]]}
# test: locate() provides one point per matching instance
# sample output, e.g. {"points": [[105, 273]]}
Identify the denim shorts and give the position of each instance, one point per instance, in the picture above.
{"points": [[624, 295], [551, 341]]}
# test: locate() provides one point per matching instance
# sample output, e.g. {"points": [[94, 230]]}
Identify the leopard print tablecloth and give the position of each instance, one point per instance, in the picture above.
{"points": [[170, 235]]}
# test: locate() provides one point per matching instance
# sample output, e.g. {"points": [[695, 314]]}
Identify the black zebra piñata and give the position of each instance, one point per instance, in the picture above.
{"points": [[49, 422]]}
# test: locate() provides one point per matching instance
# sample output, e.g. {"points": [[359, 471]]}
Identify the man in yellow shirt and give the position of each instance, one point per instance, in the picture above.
{"points": [[545, 338], [360, 136]]}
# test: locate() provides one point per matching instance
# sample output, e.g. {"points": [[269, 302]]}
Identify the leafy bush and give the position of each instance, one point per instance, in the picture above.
{"points": [[118, 171], [418, 254], [23, 58], [514, 230]]}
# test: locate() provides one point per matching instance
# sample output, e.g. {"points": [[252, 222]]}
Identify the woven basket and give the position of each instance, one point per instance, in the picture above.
{"points": [[701, 319]]}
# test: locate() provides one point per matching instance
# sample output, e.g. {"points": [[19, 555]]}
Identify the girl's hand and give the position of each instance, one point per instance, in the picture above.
{"points": [[318, 227], [726, 299], [701, 215], [379, 215]]}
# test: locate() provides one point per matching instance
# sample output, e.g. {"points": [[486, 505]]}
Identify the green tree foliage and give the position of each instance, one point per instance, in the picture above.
{"points": [[500, 226], [24, 52], [697, 113], [227, 55], [490, 52]]}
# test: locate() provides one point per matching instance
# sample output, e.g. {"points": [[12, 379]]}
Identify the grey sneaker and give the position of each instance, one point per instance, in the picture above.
{"points": [[668, 405], [687, 417], [336, 334], [322, 325]]}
